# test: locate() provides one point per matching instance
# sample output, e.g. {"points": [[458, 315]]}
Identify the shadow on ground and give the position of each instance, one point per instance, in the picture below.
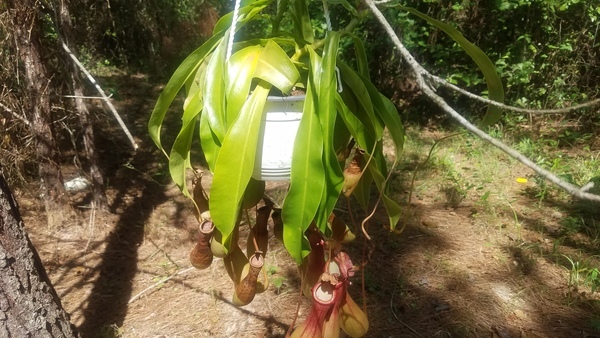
{"points": [[445, 280], [445, 277], [138, 187]]}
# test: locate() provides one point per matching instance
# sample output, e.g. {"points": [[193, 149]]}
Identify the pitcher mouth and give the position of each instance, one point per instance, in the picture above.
{"points": [[324, 293]]}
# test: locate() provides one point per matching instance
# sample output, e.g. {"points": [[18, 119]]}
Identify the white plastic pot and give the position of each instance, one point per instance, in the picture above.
{"points": [[278, 132]]}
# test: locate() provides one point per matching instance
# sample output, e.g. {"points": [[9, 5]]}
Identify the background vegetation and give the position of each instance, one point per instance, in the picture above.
{"points": [[546, 51]]}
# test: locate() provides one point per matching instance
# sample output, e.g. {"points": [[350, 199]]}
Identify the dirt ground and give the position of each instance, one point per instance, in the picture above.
{"points": [[450, 273]]}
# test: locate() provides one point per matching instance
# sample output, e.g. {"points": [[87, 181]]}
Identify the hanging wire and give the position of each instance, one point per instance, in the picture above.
{"points": [[236, 12], [326, 12]]}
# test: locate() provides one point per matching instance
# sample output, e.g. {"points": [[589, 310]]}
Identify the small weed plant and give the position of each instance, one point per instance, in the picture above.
{"points": [[582, 272]]}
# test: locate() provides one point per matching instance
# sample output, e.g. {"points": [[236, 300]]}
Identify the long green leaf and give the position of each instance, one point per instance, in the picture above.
{"points": [[487, 67], [240, 71], [181, 75], [255, 191], [193, 87], [303, 24], [324, 78], [378, 172], [361, 56], [307, 181], [282, 8], [341, 135], [363, 138], [214, 91], [393, 209], [179, 157], [235, 162], [186, 70], [392, 121], [284, 39], [387, 112], [248, 9], [364, 108], [362, 191], [287, 36], [275, 67], [209, 142]]}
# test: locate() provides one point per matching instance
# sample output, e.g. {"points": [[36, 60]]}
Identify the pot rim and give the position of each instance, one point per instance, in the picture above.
{"points": [[293, 98]]}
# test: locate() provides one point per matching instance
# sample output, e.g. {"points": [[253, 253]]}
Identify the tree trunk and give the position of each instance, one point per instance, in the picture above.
{"points": [[27, 33], [89, 139], [29, 305]]}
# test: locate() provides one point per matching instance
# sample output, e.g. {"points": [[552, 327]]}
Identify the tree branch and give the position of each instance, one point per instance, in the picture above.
{"points": [[419, 73], [164, 280], [102, 94], [15, 115], [86, 97], [442, 82]]}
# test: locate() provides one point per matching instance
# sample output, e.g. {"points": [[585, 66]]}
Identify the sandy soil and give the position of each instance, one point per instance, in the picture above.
{"points": [[450, 273]]}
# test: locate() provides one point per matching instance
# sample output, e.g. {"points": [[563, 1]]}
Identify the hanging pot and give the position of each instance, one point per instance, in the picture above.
{"points": [[276, 142]]}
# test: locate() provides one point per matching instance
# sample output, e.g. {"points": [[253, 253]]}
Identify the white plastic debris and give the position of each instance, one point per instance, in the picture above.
{"points": [[76, 184]]}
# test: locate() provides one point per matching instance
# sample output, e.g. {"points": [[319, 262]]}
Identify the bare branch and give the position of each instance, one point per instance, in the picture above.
{"points": [[419, 71], [164, 280], [445, 83], [86, 97], [104, 97], [15, 115]]}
